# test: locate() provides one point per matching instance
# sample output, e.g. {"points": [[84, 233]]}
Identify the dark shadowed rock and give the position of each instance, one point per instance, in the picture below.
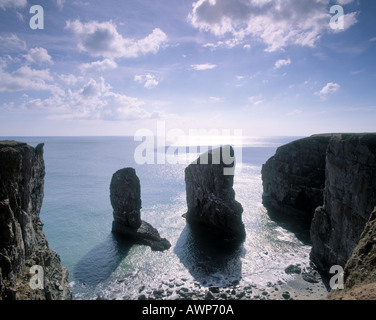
{"points": [[294, 178], [349, 198], [210, 195], [125, 195], [22, 241], [360, 269], [331, 178]]}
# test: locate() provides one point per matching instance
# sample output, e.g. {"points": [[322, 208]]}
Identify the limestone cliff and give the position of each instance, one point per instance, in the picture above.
{"points": [[22, 241], [349, 198], [335, 173], [294, 178], [210, 194], [125, 195]]}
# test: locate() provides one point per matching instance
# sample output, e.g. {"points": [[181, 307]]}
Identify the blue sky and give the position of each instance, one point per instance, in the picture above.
{"points": [[266, 67]]}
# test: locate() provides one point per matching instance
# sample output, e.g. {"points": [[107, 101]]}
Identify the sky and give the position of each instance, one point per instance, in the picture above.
{"points": [[112, 68]]}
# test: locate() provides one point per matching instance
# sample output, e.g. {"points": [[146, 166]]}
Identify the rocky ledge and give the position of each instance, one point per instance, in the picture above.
{"points": [[125, 195], [23, 244], [210, 194]]}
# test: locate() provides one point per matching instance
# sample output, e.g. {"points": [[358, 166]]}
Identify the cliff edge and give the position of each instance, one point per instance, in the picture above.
{"points": [[24, 250]]}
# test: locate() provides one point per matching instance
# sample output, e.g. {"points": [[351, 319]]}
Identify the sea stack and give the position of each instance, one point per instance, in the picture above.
{"points": [[210, 195], [23, 245], [125, 196]]}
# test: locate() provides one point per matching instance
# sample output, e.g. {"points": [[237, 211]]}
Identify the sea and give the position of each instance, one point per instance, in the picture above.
{"points": [[77, 217]]}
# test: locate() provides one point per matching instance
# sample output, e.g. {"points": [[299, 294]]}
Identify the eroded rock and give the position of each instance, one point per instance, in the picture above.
{"points": [[210, 194], [125, 195]]}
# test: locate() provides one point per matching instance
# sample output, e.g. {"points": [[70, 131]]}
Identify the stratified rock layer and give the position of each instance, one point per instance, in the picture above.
{"points": [[125, 195], [210, 195], [22, 241]]}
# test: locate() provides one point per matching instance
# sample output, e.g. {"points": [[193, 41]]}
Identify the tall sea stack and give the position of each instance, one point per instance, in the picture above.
{"points": [[23, 245], [125, 195], [210, 195]]}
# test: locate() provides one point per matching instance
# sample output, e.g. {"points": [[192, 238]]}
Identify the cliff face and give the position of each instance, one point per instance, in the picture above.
{"points": [[349, 198], [210, 194], [360, 269], [294, 178], [22, 241], [335, 173]]}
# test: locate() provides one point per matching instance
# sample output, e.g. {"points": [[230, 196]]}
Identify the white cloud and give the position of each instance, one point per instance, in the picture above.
{"points": [[331, 87], [372, 39], [149, 81], [94, 100], [38, 56], [12, 3], [12, 42], [256, 100], [69, 79], [328, 89], [106, 64], [277, 23], [103, 40], [204, 66], [282, 62], [25, 78], [343, 2]]}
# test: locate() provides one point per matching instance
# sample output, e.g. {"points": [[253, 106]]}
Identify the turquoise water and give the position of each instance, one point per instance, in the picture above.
{"points": [[77, 217]]}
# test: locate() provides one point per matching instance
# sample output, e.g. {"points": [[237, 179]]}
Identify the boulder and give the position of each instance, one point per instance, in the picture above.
{"points": [[125, 196], [210, 195]]}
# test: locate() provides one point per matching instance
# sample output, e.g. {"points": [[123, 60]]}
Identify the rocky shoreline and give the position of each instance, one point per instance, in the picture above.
{"points": [[325, 181], [304, 284]]}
